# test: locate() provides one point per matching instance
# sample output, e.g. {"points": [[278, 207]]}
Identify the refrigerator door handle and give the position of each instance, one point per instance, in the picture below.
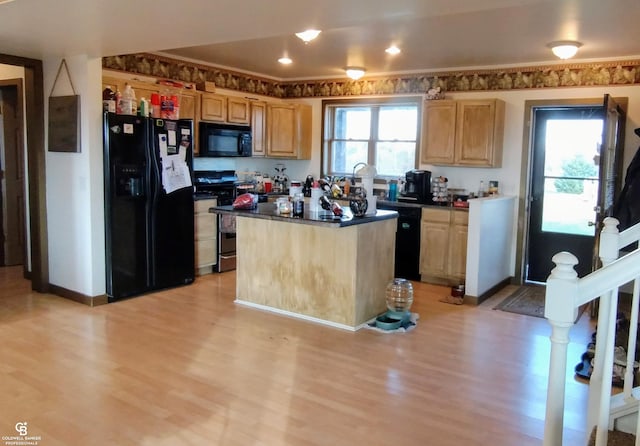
{"points": [[156, 182]]}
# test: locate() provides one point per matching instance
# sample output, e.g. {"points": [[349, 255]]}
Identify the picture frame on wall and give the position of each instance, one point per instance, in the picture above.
{"points": [[64, 118]]}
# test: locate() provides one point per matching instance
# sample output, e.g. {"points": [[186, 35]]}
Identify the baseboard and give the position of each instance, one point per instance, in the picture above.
{"points": [[78, 297], [477, 300]]}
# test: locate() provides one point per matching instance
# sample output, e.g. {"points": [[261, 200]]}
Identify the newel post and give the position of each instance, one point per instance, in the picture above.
{"points": [[561, 312], [608, 252]]}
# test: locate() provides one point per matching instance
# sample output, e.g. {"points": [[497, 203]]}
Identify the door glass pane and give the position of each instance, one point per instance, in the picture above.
{"points": [[571, 175]]}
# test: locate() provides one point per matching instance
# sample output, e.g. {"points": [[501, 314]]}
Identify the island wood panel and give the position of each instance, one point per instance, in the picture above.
{"points": [[338, 275]]}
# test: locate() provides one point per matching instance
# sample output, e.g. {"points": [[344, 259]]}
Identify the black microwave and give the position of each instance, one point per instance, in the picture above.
{"points": [[224, 140]]}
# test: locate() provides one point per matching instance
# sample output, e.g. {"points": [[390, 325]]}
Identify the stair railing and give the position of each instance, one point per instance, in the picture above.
{"points": [[565, 293]]}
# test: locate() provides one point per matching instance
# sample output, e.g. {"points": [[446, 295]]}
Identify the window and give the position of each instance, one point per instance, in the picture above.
{"points": [[382, 133]]}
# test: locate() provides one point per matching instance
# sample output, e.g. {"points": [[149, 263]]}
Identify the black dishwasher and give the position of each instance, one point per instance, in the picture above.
{"points": [[407, 258]]}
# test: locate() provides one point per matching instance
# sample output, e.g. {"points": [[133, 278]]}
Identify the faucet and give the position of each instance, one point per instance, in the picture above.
{"points": [[353, 174]]}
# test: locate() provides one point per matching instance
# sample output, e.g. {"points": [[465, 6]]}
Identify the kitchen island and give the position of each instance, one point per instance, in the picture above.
{"points": [[319, 267]]}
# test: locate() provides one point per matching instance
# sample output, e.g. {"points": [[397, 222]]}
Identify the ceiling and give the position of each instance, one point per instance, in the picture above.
{"points": [[250, 35]]}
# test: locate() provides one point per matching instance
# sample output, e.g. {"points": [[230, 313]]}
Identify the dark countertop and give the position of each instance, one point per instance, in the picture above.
{"points": [[387, 203], [267, 211], [197, 197]]}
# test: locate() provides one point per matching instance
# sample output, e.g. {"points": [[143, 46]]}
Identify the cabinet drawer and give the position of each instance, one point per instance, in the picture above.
{"points": [[206, 253], [205, 226], [436, 215], [204, 205], [460, 217]]}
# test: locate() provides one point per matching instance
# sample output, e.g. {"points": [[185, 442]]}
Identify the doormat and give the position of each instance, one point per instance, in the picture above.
{"points": [[528, 300]]}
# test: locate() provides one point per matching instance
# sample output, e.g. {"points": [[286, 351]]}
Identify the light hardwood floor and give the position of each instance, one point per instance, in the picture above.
{"points": [[187, 366]]}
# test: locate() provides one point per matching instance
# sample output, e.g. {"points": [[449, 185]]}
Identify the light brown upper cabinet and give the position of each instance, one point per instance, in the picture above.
{"points": [[438, 132], [238, 110], [463, 133], [289, 131], [213, 107], [220, 108], [258, 128]]}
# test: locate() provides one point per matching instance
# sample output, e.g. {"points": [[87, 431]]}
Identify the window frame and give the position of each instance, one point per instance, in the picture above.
{"points": [[328, 123]]}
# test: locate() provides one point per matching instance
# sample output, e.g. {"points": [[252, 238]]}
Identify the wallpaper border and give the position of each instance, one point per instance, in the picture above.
{"points": [[513, 78]]}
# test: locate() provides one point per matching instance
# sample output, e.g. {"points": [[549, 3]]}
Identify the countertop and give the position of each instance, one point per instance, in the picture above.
{"points": [[267, 211], [387, 203]]}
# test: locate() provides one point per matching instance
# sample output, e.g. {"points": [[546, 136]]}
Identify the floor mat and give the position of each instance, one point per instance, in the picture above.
{"points": [[528, 300]]}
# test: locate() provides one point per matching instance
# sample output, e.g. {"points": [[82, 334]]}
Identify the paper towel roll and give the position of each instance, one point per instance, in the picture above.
{"points": [[371, 205]]}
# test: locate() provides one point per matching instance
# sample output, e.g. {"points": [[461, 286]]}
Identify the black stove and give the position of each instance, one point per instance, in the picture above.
{"points": [[216, 183]]}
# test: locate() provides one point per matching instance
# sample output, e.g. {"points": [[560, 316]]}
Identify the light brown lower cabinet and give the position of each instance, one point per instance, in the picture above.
{"points": [[443, 246], [206, 236]]}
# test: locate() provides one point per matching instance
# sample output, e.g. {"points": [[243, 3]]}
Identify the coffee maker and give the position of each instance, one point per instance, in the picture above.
{"points": [[417, 186]]}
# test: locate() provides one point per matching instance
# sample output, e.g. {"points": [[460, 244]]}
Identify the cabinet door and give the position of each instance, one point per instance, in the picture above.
{"points": [[438, 132], [434, 248], [213, 107], [188, 106], [479, 129], [205, 233], [259, 128], [206, 253], [281, 130], [458, 245], [238, 110]]}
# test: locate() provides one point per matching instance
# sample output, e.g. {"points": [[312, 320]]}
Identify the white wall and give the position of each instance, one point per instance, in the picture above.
{"points": [[490, 243], [75, 200], [17, 72]]}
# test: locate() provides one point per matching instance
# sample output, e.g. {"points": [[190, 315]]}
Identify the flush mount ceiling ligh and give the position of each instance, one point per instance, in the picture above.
{"points": [[308, 35]]}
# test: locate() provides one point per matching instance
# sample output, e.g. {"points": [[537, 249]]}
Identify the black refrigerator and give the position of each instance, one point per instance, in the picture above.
{"points": [[148, 204]]}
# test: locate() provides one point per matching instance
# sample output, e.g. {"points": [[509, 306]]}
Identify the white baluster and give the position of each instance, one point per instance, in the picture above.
{"points": [[561, 312]]}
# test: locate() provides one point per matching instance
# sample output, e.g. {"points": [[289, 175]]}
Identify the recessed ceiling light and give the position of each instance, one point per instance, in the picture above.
{"points": [[393, 50], [564, 49], [285, 60], [308, 35], [355, 73]]}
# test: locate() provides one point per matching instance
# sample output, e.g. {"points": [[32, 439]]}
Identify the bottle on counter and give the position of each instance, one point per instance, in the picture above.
{"points": [[298, 205], [482, 192], [128, 101], [143, 108], [154, 109], [118, 101], [109, 99], [176, 107], [393, 190], [316, 193]]}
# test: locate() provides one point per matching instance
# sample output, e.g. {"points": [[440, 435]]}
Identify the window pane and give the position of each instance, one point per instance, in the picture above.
{"points": [[352, 123], [346, 154], [395, 158], [568, 205], [398, 123]]}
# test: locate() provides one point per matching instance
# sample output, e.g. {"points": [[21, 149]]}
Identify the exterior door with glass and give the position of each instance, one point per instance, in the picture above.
{"points": [[575, 177]]}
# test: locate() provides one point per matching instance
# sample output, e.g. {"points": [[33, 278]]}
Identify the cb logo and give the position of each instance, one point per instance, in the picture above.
{"points": [[21, 427]]}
